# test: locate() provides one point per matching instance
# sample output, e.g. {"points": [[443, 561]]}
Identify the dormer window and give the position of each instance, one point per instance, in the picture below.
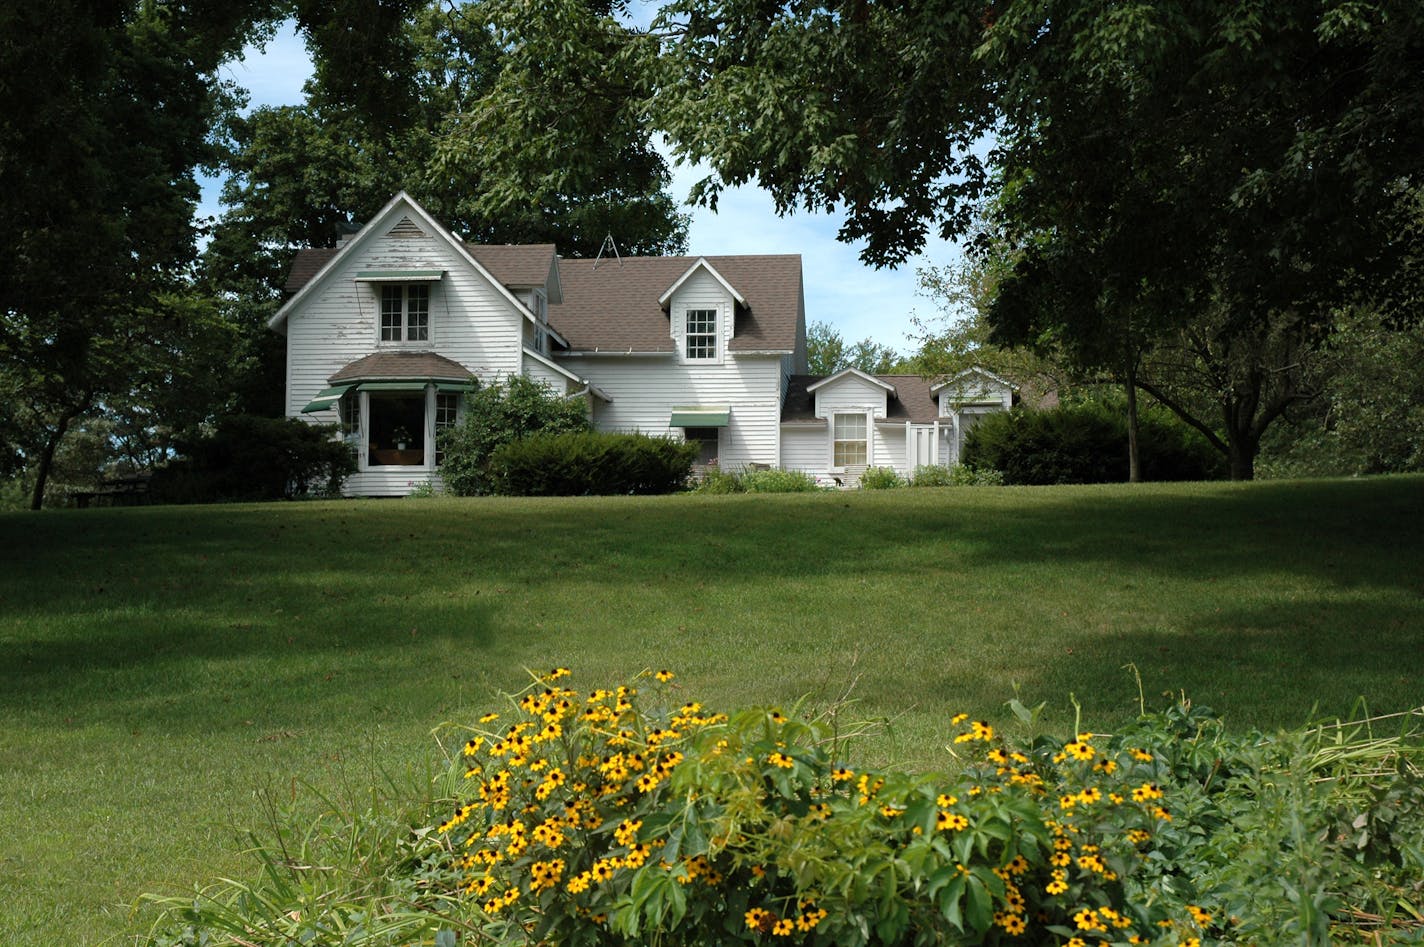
{"points": [[701, 337], [405, 312]]}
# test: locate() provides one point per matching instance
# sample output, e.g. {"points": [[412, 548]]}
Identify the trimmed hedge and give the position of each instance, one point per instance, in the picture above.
{"points": [[1087, 444], [589, 463]]}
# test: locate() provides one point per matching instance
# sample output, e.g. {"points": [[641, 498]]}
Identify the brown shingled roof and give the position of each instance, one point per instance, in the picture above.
{"points": [[306, 264], [515, 266], [402, 365], [911, 401], [614, 307]]}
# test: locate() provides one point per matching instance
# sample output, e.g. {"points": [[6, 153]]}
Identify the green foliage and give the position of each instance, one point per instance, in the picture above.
{"points": [[588, 463], [636, 813], [251, 458], [719, 481], [777, 481], [881, 478], [1370, 416], [754, 480], [497, 414], [827, 353], [1085, 443], [938, 475]]}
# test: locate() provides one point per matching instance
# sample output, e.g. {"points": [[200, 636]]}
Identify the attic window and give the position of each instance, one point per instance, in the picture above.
{"points": [[702, 334], [405, 230]]}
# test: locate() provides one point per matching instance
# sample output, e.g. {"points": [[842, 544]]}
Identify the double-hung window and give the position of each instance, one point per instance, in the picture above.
{"points": [[405, 312], [701, 336], [848, 440]]}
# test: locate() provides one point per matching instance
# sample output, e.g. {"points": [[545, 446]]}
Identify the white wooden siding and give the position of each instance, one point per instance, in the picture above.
{"points": [[850, 394], [390, 482], [806, 447], [537, 370], [645, 390], [471, 321]]}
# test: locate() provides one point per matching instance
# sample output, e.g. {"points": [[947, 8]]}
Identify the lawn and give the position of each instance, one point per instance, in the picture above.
{"points": [[166, 673]]}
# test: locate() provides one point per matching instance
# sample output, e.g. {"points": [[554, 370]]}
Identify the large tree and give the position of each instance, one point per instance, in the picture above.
{"points": [[107, 111], [1231, 170]]}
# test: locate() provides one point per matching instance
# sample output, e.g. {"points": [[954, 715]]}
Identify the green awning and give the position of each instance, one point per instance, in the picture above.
{"points": [[326, 399], [393, 386], [384, 276], [700, 417], [455, 386]]}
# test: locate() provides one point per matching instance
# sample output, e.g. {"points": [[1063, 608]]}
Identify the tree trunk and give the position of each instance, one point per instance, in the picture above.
{"points": [[1241, 454], [1134, 462], [47, 460]]}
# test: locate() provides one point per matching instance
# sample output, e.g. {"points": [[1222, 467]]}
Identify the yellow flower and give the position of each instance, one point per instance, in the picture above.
{"points": [[665, 676], [1080, 751], [1146, 792], [842, 774], [950, 821], [488, 718], [781, 928], [757, 918], [781, 759], [1201, 916], [1013, 925], [1142, 756], [945, 801]]}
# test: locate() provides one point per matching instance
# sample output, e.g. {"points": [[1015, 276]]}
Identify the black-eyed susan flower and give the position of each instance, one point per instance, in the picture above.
{"points": [[664, 676]]}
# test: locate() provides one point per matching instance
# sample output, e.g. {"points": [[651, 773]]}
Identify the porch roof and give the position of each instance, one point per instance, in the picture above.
{"points": [[402, 366]]}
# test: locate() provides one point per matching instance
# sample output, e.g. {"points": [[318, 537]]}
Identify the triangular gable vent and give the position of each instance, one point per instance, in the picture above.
{"points": [[405, 229]]}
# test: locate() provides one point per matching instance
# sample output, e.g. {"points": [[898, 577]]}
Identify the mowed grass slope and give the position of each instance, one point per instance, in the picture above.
{"points": [[164, 670]]}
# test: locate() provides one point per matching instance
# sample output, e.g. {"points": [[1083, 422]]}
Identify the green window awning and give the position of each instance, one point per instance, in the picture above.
{"points": [[703, 416], [392, 276], [326, 399], [393, 385], [454, 387]]}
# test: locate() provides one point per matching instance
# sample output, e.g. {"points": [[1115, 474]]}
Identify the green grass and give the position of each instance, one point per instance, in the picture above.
{"points": [[163, 671]]}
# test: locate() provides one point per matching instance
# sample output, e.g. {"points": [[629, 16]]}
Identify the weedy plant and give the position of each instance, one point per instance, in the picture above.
{"points": [[632, 814]]}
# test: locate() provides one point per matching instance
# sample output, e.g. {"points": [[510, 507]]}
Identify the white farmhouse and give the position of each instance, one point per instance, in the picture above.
{"points": [[387, 331]]}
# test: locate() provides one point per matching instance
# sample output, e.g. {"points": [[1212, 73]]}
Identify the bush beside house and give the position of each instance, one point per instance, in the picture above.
{"points": [[1087, 443], [495, 415], [254, 458], [585, 463]]}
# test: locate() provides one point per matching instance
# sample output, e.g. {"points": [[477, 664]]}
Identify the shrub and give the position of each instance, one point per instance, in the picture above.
{"points": [[622, 816], [590, 462], [938, 475], [777, 481], [1087, 443], [719, 481], [497, 414], [880, 478], [254, 458]]}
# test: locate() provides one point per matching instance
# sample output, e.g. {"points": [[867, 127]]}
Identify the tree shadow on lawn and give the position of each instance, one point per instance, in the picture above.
{"points": [[145, 589]]}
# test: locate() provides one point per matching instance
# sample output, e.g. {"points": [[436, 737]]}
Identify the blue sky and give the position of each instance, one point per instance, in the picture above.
{"points": [[857, 300]]}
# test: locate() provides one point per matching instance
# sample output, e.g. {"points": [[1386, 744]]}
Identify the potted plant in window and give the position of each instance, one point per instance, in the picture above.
{"points": [[401, 436]]}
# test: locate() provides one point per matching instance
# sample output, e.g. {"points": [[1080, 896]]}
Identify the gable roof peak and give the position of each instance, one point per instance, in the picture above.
{"points": [[701, 263], [855, 372]]}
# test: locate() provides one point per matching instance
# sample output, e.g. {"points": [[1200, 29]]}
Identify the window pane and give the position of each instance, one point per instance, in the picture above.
{"points": [[417, 313], [701, 333], [849, 453], [396, 418], [390, 313], [850, 426]]}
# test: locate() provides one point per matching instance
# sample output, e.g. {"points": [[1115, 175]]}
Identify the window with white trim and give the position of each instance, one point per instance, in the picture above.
{"points": [[405, 312], [848, 446], [701, 336], [446, 411]]}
